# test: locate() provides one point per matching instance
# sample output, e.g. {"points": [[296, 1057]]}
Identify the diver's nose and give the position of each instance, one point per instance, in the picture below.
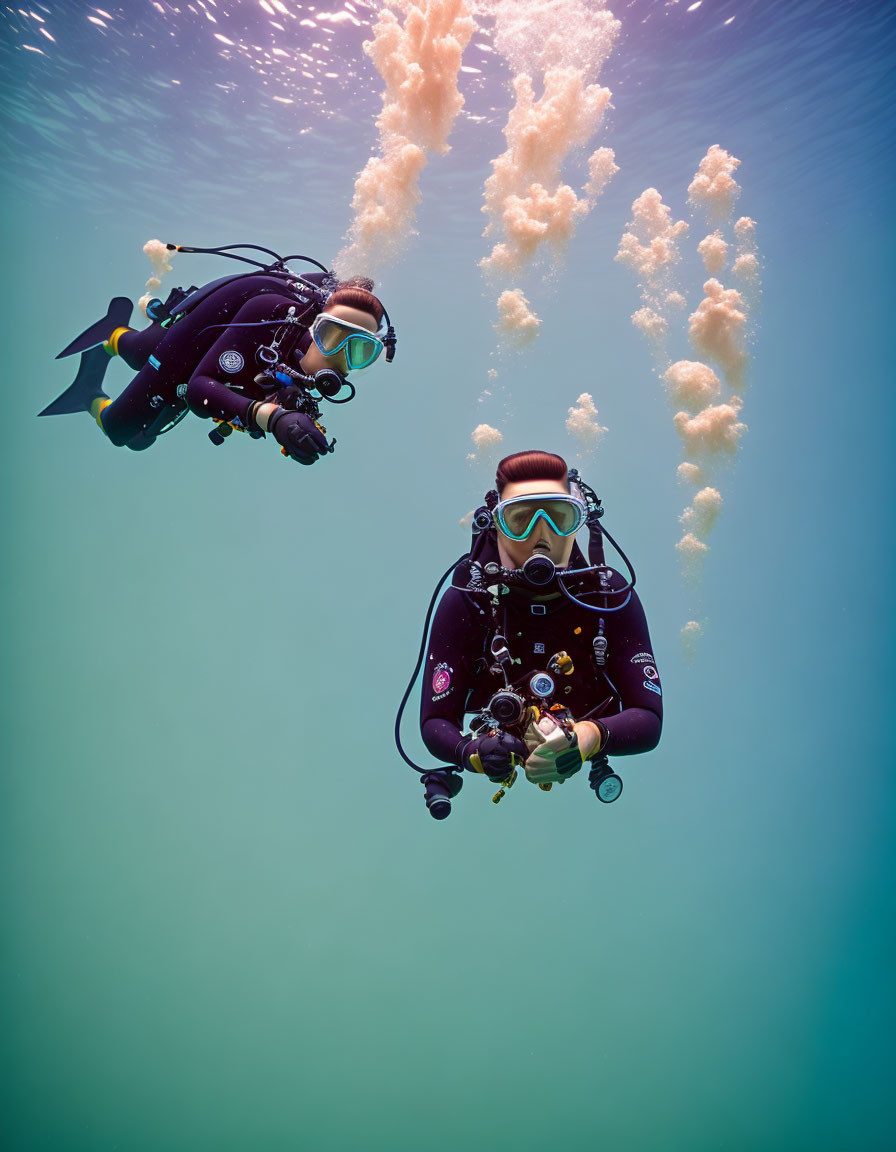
{"points": [[542, 535]]}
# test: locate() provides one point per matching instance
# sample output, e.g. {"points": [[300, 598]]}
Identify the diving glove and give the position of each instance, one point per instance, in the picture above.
{"points": [[299, 436], [554, 756], [494, 755]]}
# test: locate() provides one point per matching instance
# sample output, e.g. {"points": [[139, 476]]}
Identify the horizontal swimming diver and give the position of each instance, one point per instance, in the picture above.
{"points": [[255, 352]]}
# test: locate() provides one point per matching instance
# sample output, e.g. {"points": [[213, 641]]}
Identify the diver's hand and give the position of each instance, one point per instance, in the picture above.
{"points": [[496, 756], [299, 435], [553, 757]]}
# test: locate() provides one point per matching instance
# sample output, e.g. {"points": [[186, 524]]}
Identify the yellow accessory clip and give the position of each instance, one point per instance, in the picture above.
{"points": [[561, 664], [476, 763], [505, 784]]}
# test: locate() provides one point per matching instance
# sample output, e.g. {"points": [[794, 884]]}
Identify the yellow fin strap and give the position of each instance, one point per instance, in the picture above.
{"points": [[111, 345], [97, 407]]}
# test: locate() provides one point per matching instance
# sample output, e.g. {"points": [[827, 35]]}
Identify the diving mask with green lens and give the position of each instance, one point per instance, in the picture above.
{"points": [[333, 335], [517, 517]]}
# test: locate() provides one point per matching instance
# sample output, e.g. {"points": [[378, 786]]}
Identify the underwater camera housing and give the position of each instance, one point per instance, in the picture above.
{"points": [[506, 707]]}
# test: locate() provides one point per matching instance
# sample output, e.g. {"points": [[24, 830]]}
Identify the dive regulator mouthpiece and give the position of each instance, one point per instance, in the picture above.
{"points": [[327, 382], [539, 570]]}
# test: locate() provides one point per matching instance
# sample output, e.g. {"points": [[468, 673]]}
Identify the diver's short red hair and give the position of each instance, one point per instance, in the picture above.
{"points": [[355, 293], [530, 466]]}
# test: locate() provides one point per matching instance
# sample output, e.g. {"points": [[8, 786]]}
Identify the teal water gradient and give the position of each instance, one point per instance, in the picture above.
{"points": [[228, 921]]}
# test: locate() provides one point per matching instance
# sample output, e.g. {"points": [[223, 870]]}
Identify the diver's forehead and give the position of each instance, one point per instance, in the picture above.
{"points": [[531, 487], [352, 315]]}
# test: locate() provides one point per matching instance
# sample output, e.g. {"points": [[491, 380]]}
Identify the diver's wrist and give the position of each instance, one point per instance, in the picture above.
{"points": [[460, 749], [590, 737], [261, 413]]}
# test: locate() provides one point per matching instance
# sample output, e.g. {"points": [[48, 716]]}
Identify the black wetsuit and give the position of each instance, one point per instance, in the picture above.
{"points": [[625, 695], [197, 364]]}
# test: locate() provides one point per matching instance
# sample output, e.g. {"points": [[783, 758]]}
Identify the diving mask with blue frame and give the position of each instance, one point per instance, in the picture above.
{"points": [[517, 517], [360, 346]]}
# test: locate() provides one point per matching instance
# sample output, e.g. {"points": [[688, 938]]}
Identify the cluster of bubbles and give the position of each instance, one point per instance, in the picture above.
{"points": [[555, 50], [582, 422], [418, 58], [704, 393], [485, 442], [160, 258]]}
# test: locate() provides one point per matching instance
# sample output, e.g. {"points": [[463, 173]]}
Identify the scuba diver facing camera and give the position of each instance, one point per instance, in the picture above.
{"points": [[549, 652], [255, 352]]}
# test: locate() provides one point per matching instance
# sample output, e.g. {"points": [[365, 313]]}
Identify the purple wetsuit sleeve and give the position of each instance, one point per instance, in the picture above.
{"points": [[207, 394], [633, 673], [446, 679]]}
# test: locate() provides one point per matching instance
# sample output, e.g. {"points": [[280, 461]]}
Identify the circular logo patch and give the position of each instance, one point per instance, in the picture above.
{"points": [[231, 361], [650, 672], [441, 679]]}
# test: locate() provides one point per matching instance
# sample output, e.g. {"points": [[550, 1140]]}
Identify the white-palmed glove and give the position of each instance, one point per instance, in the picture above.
{"points": [[552, 757]]}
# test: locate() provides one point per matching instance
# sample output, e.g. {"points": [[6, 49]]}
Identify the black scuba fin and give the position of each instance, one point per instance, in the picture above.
{"points": [[118, 316], [87, 385]]}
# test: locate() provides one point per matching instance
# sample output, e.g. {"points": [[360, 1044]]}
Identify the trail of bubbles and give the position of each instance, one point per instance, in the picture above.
{"points": [[707, 408], [559, 46], [650, 248], [525, 200], [555, 50], [419, 60]]}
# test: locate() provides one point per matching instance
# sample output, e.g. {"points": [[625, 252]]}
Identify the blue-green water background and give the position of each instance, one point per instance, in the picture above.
{"points": [[228, 921]]}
